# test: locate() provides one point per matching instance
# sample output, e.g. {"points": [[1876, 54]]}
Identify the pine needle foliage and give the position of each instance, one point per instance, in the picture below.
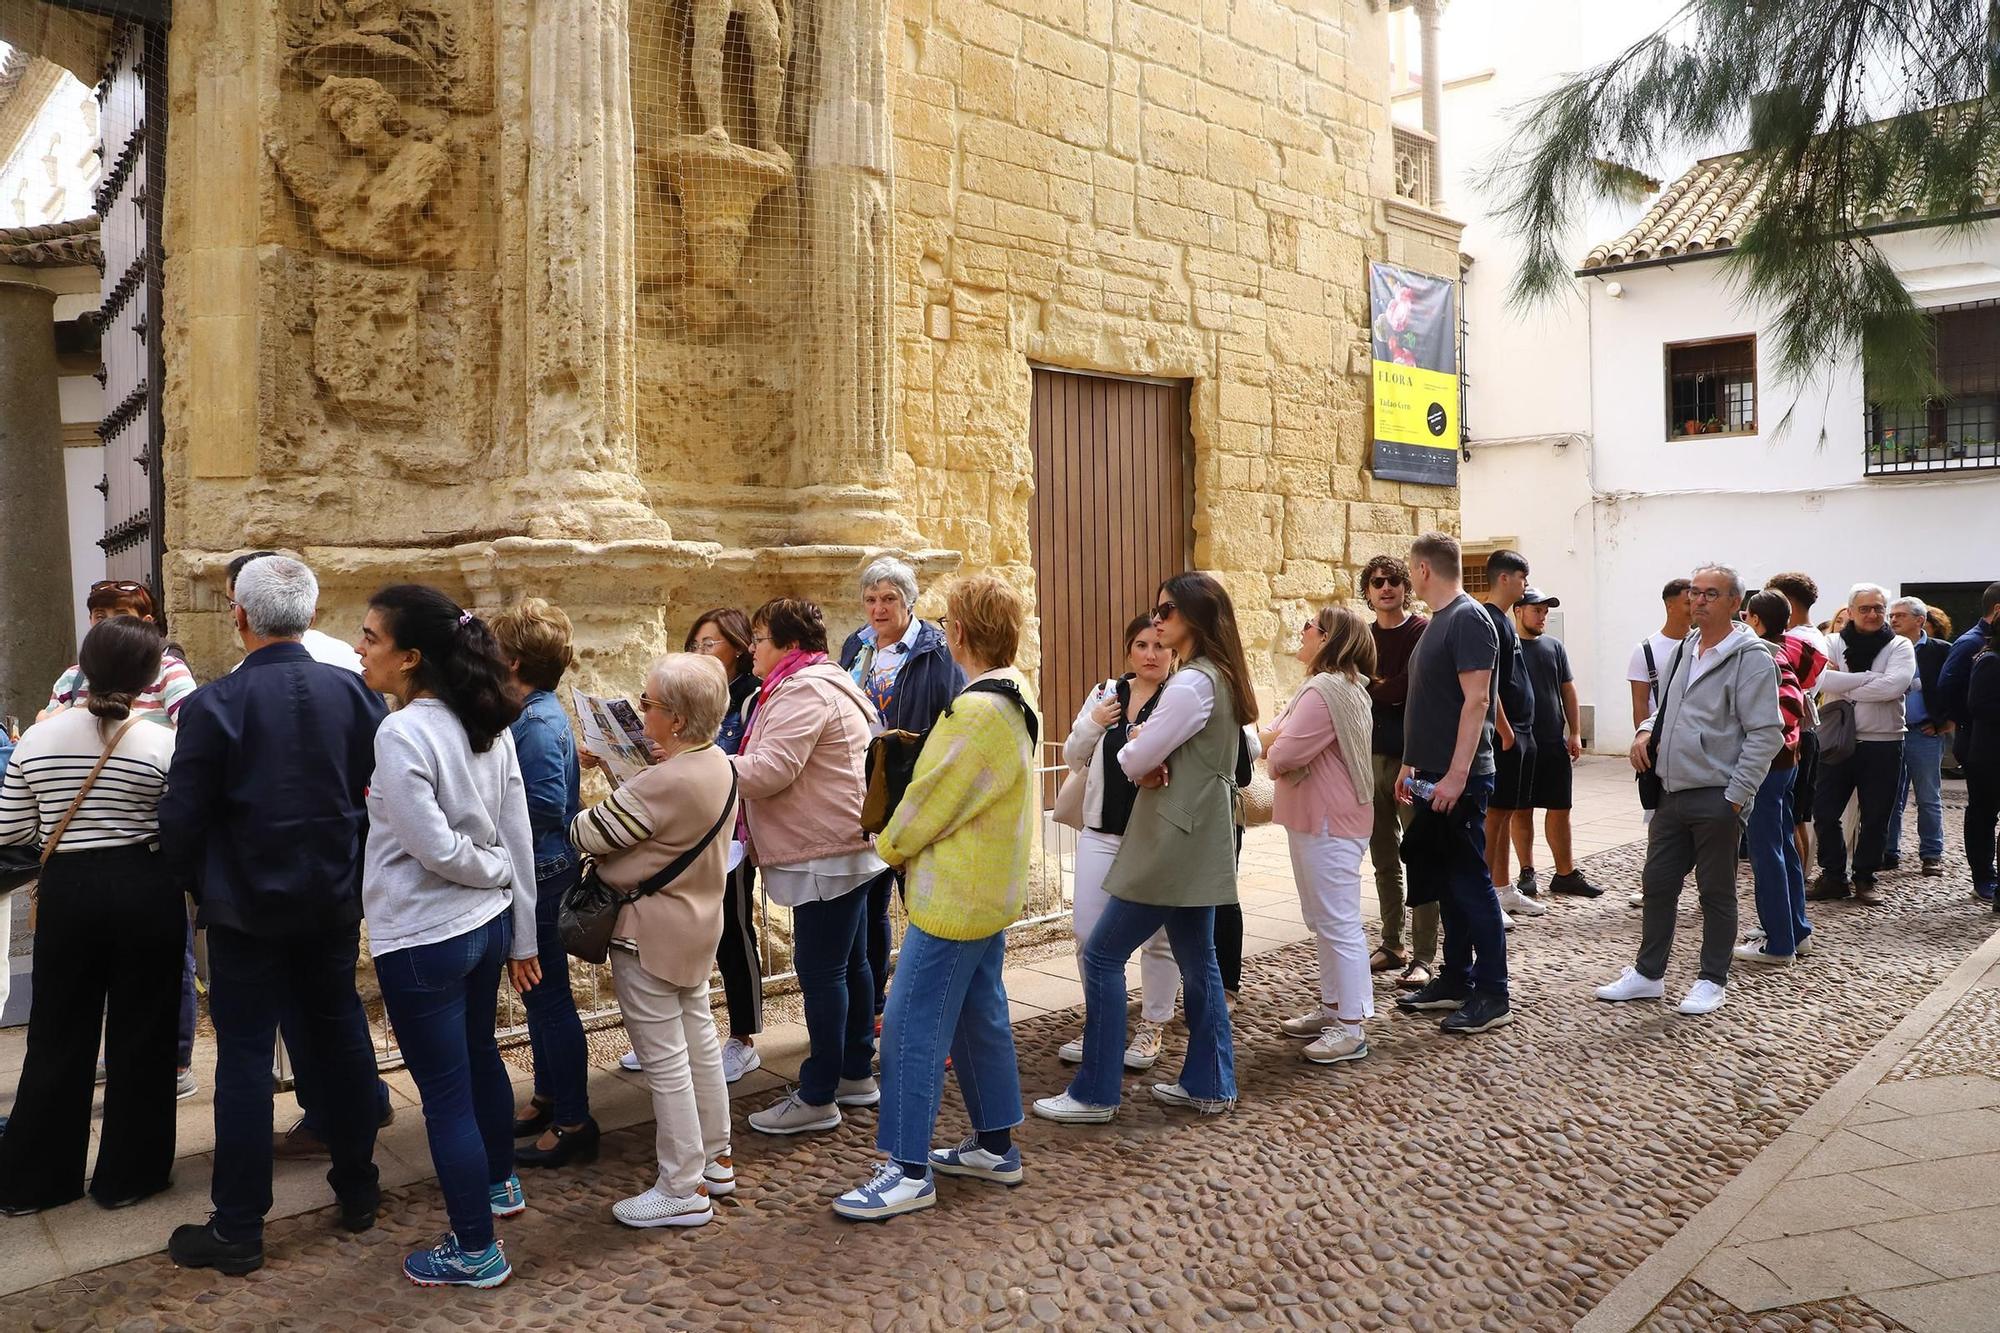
{"points": [[1856, 114]]}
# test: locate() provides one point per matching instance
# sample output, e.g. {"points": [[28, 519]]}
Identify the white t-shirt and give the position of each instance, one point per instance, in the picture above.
{"points": [[1663, 661]]}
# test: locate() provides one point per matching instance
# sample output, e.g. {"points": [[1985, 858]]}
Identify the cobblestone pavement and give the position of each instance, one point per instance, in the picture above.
{"points": [[1499, 1183]]}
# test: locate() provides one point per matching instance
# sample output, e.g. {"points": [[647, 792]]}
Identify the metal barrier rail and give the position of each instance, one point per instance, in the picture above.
{"points": [[1052, 870]]}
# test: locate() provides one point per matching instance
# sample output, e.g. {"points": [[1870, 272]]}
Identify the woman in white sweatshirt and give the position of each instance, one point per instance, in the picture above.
{"points": [[1109, 713], [448, 887]]}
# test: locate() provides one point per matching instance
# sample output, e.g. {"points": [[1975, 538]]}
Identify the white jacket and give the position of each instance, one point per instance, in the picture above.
{"points": [[1877, 693], [1084, 751]]}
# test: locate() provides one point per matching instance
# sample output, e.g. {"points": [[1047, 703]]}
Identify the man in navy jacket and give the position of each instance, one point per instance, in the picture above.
{"points": [[264, 822]]}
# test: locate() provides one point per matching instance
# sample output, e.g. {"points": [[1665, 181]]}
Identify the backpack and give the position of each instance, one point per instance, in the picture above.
{"points": [[892, 757]]}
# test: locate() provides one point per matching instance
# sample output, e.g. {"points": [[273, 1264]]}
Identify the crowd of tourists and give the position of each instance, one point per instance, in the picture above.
{"points": [[427, 780]]}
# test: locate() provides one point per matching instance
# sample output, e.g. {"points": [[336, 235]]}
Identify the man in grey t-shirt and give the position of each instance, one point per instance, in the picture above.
{"points": [[1447, 748]]}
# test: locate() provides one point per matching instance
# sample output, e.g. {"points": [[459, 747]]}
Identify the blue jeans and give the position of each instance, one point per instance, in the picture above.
{"points": [[1774, 862], [555, 1033], [307, 980], [950, 997], [441, 999], [1209, 1071], [1923, 771], [878, 891], [830, 954], [1475, 943]]}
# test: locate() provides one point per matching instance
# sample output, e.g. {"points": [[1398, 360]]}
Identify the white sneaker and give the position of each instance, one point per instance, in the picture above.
{"points": [[1704, 997], [1307, 1027], [795, 1116], [1335, 1047], [1506, 922], [1071, 1052], [1067, 1110], [1173, 1094], [1144, 1050], [1752, 951], [719, 1176], [1513, 900], [857, 1092], [630, 1062], [887, 1193], [1631, 986], [738, 1059], [654, 1209], [1638, 898]]}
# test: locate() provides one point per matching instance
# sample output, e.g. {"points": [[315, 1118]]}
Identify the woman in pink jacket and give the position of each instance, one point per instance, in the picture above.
{"points": [[801, 771], [1318, 754]]}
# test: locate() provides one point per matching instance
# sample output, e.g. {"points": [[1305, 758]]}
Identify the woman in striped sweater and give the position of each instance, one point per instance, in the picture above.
{"points": [[108, 938]]}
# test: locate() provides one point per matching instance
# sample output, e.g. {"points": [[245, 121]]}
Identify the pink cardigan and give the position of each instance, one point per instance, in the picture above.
{"points": [[1312, 792], [802, 769]]}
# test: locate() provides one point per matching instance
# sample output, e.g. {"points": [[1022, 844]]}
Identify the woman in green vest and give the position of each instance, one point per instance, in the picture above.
{"points": [[1177, 863]]}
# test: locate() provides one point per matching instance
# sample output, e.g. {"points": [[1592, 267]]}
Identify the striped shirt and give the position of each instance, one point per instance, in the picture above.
{"points": [[160, 703], [54, 758]]}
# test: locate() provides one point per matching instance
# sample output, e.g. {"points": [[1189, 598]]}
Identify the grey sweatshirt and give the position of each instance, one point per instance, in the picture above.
{"points": [[449, 847], [1724, 729]]}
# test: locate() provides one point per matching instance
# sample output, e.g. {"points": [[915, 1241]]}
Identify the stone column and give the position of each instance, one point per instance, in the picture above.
{"points": [[37, 624], [1428, 13], [843, 474], [580, 309]]}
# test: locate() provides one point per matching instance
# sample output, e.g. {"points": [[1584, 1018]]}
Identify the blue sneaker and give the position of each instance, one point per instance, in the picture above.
{"points": [[969, 1159], [887, 1193], [1983, 892], [506, 1198], [446, 1264]]}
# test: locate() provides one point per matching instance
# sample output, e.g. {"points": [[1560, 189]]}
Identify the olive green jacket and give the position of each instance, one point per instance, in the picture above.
{"points": [[1180, 844]]}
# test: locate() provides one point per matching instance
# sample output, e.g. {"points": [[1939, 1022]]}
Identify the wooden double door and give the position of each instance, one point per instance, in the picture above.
{"points": [[1113, 515]]}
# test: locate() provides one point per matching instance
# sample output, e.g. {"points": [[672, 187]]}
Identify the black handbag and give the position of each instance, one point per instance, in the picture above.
{"points": [[589, 913], [1651, 790]]}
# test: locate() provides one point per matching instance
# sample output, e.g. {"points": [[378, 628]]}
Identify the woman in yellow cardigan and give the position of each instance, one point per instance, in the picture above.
{"points": [[961, 835]]}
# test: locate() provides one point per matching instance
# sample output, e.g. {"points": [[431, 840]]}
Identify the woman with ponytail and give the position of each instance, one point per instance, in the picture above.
{"points": [[85, 784], [1177, 864], [449, 892]]}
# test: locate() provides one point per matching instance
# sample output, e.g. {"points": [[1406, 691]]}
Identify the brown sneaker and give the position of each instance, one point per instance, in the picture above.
{"points": [[1415, 977], [1866, 893], [299, 1141], [1827, 889]]}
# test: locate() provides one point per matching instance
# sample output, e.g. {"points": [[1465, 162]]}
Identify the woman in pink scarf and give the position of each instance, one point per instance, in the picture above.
{"points": [[802, 773]]}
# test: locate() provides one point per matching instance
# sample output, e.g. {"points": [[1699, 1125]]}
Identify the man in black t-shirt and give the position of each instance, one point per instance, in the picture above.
{"points": [[1448, 773], [1514, 750], [1558, 733]]}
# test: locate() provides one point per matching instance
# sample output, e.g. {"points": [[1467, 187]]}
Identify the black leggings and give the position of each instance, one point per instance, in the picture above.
{"points": [[1229, 933], [736, 955]]}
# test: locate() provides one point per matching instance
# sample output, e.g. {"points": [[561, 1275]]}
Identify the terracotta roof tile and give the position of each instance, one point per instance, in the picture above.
{"points": [[52, 245]]}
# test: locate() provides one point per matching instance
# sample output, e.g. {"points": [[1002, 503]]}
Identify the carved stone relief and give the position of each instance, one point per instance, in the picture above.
{"points": [[365, 347]]}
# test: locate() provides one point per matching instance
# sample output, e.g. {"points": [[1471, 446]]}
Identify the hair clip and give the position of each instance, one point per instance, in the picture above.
{"points": [[465, 617]]}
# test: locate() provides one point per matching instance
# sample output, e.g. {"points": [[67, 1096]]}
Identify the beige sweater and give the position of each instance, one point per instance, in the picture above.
{"points": [[636, 831]]}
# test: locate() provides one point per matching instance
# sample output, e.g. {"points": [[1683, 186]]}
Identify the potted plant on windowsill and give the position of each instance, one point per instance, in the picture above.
{"points": [[1691, 427]]}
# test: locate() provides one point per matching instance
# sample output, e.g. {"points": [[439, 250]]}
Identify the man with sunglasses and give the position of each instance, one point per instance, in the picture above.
{"points": [[1870, 666], [1396, 629]]}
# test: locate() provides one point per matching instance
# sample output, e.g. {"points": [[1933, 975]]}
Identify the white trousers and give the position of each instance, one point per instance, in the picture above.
{"points": [[673, 1033], [1159, 975], [1328, 873]]}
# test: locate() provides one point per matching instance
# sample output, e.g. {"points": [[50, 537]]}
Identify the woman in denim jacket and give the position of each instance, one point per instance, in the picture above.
{"points": [[534, 638]]}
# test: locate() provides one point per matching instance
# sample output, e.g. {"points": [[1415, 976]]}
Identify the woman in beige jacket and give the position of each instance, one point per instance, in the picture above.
{"points": [[664, 949]]}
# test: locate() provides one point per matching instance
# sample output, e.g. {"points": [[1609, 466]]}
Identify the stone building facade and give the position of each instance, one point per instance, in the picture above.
{"points": [[648, 305]]}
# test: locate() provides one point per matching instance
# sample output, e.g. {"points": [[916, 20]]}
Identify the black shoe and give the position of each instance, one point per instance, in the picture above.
{"points": [[1575, 885], [1890, 863], [197, 1246], [1480, 1013], [529, 1126], [357, 1212], [1933, 870], [1438, 994], [1826, 889], [572, 1145], [127, 1200], [20, 1209]]}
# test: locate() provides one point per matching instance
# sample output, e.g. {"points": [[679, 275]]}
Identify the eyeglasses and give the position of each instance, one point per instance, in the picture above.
{"points": [[708, 645], [1385, 581], [1706, 594], [760, 638], [647, 703], [1164, 612], [1873, 608]]}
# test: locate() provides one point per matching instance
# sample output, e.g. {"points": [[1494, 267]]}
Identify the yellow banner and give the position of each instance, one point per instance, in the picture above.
{"points": [[1416, 406]]}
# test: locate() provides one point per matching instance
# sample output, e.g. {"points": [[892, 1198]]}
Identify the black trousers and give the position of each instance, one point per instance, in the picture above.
{"points": [[1229, 934], [1872, 772], [252, 980], [1982, 811], [110, 937], [742, 966]]}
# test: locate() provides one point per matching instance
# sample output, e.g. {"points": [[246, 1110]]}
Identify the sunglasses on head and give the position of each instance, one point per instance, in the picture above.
{"points": [[121, 585]]}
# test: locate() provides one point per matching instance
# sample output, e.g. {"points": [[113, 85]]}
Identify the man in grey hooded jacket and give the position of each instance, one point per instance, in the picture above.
{"points": [[1717, 729]]}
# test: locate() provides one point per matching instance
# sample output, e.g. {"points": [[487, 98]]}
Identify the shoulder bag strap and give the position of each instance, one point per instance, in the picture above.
{"points": [[1653, 742], [678, 866], [1007, 689], [49, 848], [1652, 668]]}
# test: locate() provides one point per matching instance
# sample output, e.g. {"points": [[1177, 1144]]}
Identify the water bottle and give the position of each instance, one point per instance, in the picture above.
{"points": [[1422, 791]]}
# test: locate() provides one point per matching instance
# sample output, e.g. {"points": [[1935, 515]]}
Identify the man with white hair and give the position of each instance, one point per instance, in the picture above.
{"points": [[905, 668], [1708, 746], [1869, 669], [264, 822], [1924, 730]]}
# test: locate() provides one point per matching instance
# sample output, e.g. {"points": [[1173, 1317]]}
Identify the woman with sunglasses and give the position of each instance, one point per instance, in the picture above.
{"points": [[1318, 751], [1105, 723], [1178, 861]]}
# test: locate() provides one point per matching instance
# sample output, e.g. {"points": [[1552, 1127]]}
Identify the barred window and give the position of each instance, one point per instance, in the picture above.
{"points": [[1959, 428], [1712, 387]]}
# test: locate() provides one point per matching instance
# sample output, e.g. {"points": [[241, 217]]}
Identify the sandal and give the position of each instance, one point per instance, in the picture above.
{"points": [[1415, 977], [1382, 960]]}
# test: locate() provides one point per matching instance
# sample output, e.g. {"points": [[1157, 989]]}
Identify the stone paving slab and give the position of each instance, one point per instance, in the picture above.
{"points": [[1506, 1182]]}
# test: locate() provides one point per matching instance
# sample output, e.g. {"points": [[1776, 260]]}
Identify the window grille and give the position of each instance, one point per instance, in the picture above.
{"points": [[1712, 388], [1959, 429]]}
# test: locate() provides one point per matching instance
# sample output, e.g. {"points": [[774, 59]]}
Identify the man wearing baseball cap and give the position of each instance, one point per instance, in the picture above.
{"points": [[1558, 742]]}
